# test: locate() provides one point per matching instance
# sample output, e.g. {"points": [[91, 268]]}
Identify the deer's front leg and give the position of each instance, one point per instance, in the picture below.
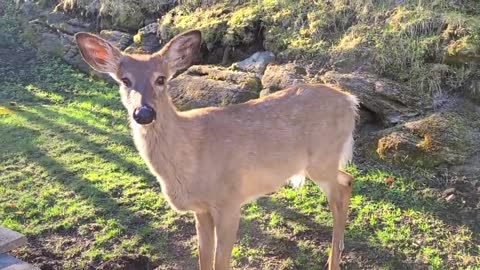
{"points": [[226, 222], [206, 240]]}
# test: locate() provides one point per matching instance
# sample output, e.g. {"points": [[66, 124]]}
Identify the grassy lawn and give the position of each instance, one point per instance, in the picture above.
{"points": [[70, 179]]}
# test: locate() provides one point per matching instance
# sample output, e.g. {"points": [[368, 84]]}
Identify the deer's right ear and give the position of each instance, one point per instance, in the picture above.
{"points": [[98, 53]]}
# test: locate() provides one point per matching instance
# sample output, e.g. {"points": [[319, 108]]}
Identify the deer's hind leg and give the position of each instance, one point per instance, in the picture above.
{"points": [[337, 186]]}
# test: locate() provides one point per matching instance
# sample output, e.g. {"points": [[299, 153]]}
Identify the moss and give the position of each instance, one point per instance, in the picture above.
{"points": [[296, 31], [242, 25], [430, 142], [427, 144], [212, 22], [253, 85], [410, 46], [464, 34], [137, 38]]}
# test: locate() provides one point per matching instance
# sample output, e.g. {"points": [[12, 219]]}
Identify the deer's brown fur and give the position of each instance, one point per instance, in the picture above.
{"points": [[212, 160]]}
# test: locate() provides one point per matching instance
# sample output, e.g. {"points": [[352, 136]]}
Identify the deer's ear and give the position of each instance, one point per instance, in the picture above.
{"points": [[98, 53], [181, 50]]}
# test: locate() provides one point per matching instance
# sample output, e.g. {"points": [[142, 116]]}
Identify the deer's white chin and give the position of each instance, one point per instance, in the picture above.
{"points": [[136, 125]]}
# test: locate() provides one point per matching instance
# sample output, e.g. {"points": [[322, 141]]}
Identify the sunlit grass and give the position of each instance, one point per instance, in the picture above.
{"points": [[69, 169]]}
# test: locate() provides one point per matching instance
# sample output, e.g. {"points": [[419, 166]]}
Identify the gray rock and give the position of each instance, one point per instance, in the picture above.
{"points": [[256, 63], [68, 28], [80, 23], [52, 43], [28, 9], [61, 45], [10, 240], [203, 86], [120, 39], [390, 101], [148, 42], [8, 262], [278, 77], [64, 23], [56, 17], [149, 29]]}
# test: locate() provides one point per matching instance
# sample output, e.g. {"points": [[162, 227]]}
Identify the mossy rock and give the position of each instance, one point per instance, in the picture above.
{"points": [[119, 39], [440, 140], [127, 15]]}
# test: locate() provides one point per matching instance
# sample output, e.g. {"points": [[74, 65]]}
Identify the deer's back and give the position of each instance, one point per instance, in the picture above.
{"points": [[268, 140]]}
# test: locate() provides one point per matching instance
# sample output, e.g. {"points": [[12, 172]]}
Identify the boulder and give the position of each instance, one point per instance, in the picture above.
{"points": [[391, 102], [72, 56], [255, 63], [448, 139], [69, 29], [59, 44], [28, 9], [64, 23], [119, 39], [203, 86], [123, 15], [278, 77], [146, 40]]}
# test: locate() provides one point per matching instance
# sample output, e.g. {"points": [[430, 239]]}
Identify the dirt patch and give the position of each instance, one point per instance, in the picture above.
{"points": [[127, 262], [42, 258]]}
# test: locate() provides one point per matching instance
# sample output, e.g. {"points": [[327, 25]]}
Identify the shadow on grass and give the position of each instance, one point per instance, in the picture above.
{"points": [[45, 122], [410, 199], [289, 245], [107, 207]]}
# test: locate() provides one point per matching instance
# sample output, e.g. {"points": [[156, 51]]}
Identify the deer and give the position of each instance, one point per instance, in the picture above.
{"points": [[211, 161]]}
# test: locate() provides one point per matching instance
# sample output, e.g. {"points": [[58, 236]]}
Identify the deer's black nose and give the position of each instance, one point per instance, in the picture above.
{"points": [[144, 115]]}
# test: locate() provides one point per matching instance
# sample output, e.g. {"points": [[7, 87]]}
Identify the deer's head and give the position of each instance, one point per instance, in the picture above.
{"points": [[142, 78]]}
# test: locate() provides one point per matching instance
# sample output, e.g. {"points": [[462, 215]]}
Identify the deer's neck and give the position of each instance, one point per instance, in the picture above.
{"points": [[166, 147]]}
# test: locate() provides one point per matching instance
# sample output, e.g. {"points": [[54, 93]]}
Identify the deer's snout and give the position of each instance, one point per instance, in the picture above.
{"points": [[144, 115]]}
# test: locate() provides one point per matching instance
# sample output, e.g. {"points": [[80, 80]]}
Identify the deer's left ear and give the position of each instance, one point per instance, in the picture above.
{"points": [[181, 50], [98, 53]]}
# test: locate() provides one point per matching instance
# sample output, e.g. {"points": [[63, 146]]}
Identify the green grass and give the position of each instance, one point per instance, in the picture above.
{"points": [[71, 180]]}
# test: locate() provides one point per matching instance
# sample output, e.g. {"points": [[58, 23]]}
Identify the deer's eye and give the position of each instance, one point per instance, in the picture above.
{"points": [[160, 81], [126, 82]]}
